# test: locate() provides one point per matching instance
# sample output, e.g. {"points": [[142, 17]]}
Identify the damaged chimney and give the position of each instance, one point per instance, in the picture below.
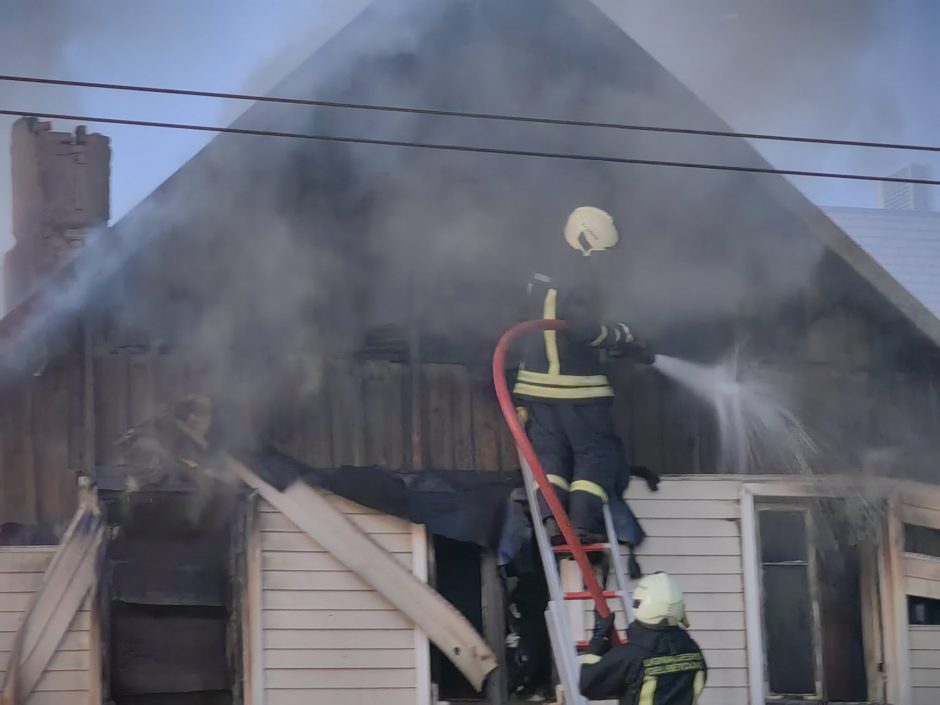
{"points": [[60, 191]]}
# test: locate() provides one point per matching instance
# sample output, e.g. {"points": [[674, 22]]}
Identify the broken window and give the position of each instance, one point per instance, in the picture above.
{"points": [[812, 603]]}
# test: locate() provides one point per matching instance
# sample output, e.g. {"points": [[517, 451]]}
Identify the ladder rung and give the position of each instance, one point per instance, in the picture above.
{"points": [[586, 547], [609, 594]]}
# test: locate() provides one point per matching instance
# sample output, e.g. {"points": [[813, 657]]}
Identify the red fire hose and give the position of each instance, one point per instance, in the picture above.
{"points": [[528, 452]]}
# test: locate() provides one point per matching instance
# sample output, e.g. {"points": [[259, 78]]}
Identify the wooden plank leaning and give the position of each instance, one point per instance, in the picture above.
{"points": [[313, 514], [71, 575]]}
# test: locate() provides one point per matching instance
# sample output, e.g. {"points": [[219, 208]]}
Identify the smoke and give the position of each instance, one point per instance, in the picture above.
{"points": [[261, 257]]}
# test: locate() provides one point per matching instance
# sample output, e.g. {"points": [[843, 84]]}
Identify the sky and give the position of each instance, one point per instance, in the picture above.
{"points": [[850, 69]]}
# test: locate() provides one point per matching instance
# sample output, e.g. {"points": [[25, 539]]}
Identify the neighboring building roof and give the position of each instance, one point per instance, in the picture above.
{"points": [[905, 243]]}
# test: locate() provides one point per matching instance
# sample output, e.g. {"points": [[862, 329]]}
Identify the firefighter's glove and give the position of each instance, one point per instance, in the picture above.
{"points": [[649, 476], [603, 626], [635, 352]]}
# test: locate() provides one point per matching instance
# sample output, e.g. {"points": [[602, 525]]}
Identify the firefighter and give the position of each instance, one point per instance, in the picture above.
{"points": [[564, 396], [659, 665]]}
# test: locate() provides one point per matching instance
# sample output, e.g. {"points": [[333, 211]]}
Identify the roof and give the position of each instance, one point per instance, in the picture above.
{"points": [[906, 244], [696, 222]]}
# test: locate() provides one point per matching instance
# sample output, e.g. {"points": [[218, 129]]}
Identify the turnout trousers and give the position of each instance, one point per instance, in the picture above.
{"points": [[582, 455]]}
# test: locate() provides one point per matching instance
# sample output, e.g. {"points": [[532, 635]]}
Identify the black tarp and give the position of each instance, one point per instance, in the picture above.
{"points": [[465, 505]]}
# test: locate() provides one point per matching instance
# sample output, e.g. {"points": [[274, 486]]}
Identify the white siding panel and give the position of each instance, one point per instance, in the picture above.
{"points": [[924, 642], [67, 679], [328, 637], [723, 696], [925, 696], [694, 534], [344, 696]]}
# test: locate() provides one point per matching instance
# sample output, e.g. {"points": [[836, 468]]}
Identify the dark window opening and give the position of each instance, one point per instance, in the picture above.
{"points": [[787, 607], [169, 596], [812, 603], [459, 579], [922, 610], [922, 540]]}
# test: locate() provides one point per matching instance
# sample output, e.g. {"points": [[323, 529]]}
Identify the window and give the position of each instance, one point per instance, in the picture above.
{"points": [[922, 540], [812, 603], [922, 610]]}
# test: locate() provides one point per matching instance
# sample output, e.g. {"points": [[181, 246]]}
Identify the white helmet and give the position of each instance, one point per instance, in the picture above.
{"points": [[658, 600], [590, 229]]}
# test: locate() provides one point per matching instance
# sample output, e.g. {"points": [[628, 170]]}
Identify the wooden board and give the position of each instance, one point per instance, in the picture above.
{"points": [[924, 638], [56, 481], [111, 416], [723, 696], [331, 599], [337, 640], [9, 622], [691, 527], [691, 565], [395, 543], [438, 417], [25, 559], [925, 659], [359, 696], [18, 501], [353, 678], [334, 658], [687, 488], [923, 567], [168, 653], [486, 417], [684, 509], [335, 619], [72, 641], [191, 583], [19, 582], [370, 523], [712, 546], [344, 383], [295, 560], [383, 389], [718, 640], [311, 580]]}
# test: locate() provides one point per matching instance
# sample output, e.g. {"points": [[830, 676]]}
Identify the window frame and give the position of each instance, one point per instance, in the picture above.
{"points": [[884, 657]]}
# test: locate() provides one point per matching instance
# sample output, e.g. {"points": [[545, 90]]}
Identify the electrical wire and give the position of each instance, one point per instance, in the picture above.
{"points": [[469, 148], [470, 115]]}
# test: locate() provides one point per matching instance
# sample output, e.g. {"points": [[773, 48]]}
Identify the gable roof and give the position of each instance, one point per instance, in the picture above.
{"points": [[484, 56]]}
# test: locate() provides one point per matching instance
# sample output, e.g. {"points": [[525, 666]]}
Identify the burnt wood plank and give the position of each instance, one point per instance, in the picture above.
{"points": [[111, 420], [384, 427], [345, 393], [463, 417], [317, 429], [18, 498], [160, 651], [50, 425], [486, 450], [438, 416]]}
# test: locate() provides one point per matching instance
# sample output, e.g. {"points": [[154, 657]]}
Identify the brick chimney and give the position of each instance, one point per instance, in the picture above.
{"points": [[60, 191]]}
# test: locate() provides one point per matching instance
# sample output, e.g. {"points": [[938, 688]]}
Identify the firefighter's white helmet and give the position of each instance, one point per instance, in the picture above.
{"points": [[658, 600], [590, 229]]}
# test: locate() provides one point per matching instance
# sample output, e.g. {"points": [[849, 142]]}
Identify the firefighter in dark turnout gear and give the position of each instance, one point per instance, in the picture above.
{"points": [[659, 665], [564, 395]]}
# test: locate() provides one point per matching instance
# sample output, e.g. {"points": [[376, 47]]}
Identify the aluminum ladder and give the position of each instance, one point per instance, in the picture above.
{"points": [[565, 643]]}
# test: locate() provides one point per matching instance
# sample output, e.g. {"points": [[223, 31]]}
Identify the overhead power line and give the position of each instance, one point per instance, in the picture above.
{"points": [[469, 148], [470, 115]]}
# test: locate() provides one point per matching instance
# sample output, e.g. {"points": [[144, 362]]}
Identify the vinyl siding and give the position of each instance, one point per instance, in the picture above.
{"points": [[924, 644], [327, 636], [694, 533], [67, 678]]}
